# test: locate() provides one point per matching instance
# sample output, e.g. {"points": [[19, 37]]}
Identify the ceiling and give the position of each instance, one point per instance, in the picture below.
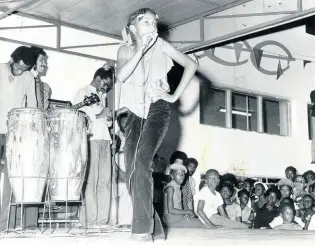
{"points": [[110, 16]]}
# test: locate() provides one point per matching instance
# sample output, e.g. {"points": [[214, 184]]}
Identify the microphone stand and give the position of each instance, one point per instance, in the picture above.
{"points": [[114, 168]]}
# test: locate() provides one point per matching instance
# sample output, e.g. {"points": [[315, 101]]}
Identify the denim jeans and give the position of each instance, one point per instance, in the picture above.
{"points": [[141, 144]]}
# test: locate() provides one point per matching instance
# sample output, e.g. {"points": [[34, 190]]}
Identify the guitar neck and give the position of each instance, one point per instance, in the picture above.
{"points": [[78, 105]]}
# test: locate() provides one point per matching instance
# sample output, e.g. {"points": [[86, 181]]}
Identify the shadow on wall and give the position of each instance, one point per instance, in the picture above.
{"points": [[174, 134]]}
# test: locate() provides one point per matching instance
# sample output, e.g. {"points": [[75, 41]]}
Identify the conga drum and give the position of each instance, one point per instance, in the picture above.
{"points": [[27, 153], [68, 149]]}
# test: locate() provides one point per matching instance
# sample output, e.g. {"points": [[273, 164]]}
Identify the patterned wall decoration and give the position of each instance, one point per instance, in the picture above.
{"points": [[256, 54]]}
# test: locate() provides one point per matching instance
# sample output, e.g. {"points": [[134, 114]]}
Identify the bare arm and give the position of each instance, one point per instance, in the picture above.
{"points": [[222, 211], [189, 68], [169, 191], [200, 212], [125, 66]]}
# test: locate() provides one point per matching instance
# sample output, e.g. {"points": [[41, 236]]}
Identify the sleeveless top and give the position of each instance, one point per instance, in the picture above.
{"points": [[177, 198], [149, 76]]}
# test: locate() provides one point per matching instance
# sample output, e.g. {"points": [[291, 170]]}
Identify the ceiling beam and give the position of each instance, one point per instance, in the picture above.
{"points": [[65, 24], [251, 30], [219, 9], [56, 49], [16, 8]]}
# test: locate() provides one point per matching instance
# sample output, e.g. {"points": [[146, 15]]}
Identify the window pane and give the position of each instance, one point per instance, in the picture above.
{"points": [[252, 105], [211, 101], [271, 116], [243, 118]]}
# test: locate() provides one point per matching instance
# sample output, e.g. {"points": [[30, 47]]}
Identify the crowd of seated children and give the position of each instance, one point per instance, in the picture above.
{"points": [[225, 202]]}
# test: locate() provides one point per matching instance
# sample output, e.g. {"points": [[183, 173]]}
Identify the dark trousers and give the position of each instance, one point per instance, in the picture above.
{"points": [[147, 138]]}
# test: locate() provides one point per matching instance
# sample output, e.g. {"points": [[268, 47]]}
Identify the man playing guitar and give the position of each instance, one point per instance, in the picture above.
{"points": [[98, 187]]}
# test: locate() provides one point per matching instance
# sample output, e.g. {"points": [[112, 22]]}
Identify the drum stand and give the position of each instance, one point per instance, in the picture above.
{"points": [[22, 204], [47, 202], [50, 202]]}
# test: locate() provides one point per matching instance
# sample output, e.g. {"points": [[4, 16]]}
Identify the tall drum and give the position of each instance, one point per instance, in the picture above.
{"points": [[68, 153], [27, 153]]}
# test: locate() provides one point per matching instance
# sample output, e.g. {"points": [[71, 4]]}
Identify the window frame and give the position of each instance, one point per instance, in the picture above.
{"points": [[259, 98]]}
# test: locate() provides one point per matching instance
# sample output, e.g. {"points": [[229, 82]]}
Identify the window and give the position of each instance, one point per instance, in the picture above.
{"points": [[211, 101], [271, 116], [248, 112], [244, 112]]}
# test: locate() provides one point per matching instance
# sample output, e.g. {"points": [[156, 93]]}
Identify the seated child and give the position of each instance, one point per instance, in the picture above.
{"points": [[230, 178], [260, 189], [210, 202], [298, 192], [248, 185], [233, 210], [177, 157], [279, 220], [286, 188], [174, 214], [309, 176], [287, 212], [290, 173], [269, 210], [247, 214], [188, 188], [311, 189], [307, 211]]}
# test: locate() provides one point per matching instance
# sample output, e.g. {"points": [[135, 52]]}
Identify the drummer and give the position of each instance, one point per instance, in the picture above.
{"points": [[43, 93], [98, 186], [17, 90]]}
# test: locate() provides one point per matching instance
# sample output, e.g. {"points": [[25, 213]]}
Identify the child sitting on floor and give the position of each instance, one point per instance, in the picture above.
{"points": [[233, 210], [247, 214], [287, 212], [174, 214], [307, 211], [210, 202], [279, 220], [188, 188]]}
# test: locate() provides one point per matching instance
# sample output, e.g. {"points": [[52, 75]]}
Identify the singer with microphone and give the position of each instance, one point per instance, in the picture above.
{"points": [[142, 87]]}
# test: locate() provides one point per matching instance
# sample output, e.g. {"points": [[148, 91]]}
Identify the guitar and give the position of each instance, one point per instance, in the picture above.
{"points": [[88, 101]]}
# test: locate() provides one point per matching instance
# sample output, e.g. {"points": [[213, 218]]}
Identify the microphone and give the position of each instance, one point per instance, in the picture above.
{"points": [[148, 41]]}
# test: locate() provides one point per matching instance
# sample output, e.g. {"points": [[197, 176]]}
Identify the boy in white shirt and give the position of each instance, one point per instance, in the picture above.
{"points": [[209, 200]]}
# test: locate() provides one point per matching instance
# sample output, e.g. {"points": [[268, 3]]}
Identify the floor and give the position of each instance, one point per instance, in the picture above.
{"points": [[183, 237]]}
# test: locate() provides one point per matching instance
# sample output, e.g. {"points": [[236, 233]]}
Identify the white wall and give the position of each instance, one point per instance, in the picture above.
{"points": [[242, 152]]}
